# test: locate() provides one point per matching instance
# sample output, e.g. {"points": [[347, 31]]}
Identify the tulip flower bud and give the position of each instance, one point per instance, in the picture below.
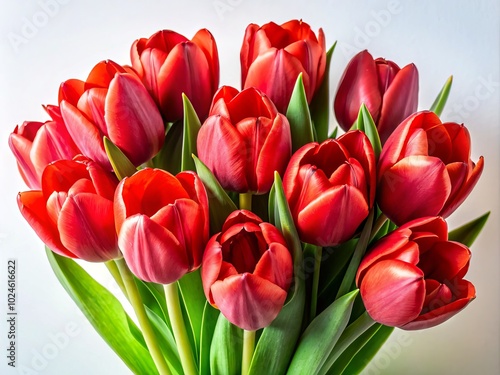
{"points": [[389, 93], [425, 169], [36, 144], [73, 213], [330, 188], [413, 277], [169, 64], [112, 102], [244, 140], [247, 270], [162, 223], [273, 56]]}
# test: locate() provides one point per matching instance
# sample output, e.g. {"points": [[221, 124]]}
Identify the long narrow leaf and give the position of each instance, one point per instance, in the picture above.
{"points": [[440, 101], [190, 132], [226, 349], [104, 312], [299, 117], [468, 233], [210, 317], [122, 166]]}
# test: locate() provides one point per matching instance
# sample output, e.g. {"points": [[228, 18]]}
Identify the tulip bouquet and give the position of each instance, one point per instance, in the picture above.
{"points": [[247, 235]]}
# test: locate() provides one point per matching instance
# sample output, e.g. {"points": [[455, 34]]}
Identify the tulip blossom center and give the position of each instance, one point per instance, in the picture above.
{"points": [[244, 250]]}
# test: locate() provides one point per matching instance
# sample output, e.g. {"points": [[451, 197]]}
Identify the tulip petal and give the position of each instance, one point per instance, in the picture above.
{"points": [[212, 263], [219, 131], [358, 85], [417, 186], [247, 50], [86, 135], [151, 63], [445, 261], [399, 101], [151, 251], [71, 90], [21, 148], [275, 73], [32, 207], [131, 110], [61, 175], [272, 234], [324, 221], [87, 229], [205, 40], [393, 292], [240, 217], [276, 266], [248, 301], [465, 292]]}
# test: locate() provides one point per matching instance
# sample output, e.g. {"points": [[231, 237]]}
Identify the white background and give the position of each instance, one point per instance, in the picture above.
{"points": [[440, 37]]}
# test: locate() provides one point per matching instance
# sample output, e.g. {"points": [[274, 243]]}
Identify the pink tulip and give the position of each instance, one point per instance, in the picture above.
{"points": [[247, 270], [244, 140], [170, 64], [425, 169], [162, 223], [112, 102], [413, 277], [73, 213]]}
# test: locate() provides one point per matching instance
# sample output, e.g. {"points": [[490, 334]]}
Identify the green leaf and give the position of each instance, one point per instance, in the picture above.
{"points": [[219, 202], [438, 105], [227, 348], [298, 116], [366, 124], [210, 316], [467, 233], [321, 336], [122, 166], [169, 157], [153, 297], [190, 133], [104, 312], [366, 354], [284, 331], [334, 132], [320, 105], [194, 302]]}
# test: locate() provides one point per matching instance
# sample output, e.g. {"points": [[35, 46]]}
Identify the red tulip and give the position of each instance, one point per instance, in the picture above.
{"points": [[389, 93], [247, 270], [425, 169], [112, 102], [413, 277], [273, 56], [36, 144], [73, 213], [330, 188], [162, 223], [244, 140], [169, 64]]}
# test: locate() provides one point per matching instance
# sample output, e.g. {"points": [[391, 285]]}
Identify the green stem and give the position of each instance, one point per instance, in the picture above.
{"points": [[379, 223], [115, 272], [248, 348], [179, 329], [359, 251], [246, 201], [140, 311], [315, 281], [350, 334]]}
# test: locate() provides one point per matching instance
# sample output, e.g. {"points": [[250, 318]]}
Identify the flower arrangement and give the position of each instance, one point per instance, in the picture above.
{"points": [[247, 234]]}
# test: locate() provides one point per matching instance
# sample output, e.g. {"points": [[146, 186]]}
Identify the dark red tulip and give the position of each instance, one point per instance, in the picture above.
{"points": [[425, 169], [73, 213], [162, 223], [413, 277], [247, 270], [389, 93], [330, 188], [169, 64], [273, 56], [112, 102], [36, 144], [244, 140]]}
